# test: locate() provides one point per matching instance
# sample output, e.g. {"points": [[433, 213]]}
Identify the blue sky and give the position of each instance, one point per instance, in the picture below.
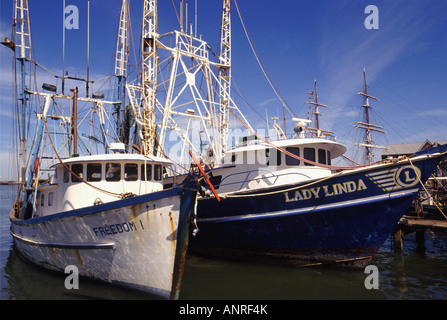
{"points": [[298, 41]]}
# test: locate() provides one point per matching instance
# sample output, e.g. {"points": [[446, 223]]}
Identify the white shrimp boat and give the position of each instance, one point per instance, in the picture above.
{"points": [[139, 241], [105, 213]]}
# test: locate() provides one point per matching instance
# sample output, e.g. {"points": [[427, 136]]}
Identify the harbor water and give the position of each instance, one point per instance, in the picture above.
{"points": [[420, 273]]}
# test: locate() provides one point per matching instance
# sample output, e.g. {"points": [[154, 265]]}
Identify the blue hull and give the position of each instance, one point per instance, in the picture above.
{"points": [[343, 219]]}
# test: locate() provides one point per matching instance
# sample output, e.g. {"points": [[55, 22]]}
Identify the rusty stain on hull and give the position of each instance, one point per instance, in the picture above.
{"points": [[133, 212], [78, 255], [172, 236]]}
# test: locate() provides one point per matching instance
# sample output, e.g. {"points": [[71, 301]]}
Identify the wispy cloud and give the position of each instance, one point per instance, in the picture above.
{"points": [[343, 55], [268, 102]]}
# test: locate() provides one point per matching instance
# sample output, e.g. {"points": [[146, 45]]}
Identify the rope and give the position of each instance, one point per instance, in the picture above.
{"points": [[423, 185], [282, 149], [54, 148], [261, 64]]}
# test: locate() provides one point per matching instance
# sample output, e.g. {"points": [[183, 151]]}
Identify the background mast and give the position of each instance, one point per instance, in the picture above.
{"points": [[366, 125]]}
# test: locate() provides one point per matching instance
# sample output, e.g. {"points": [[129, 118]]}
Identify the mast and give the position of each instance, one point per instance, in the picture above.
{"points": [[22, 55], [191, 103], [225, 74], [366, 125], [122, 53], [317, 130], [149, 75], [317, 111]]}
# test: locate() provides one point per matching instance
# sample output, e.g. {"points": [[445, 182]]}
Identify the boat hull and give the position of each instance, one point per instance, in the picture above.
{"points": [[339, 220], [139, 242]]}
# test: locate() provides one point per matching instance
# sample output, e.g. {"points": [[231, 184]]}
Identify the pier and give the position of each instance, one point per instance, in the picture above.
{"points": [[409, 224]]}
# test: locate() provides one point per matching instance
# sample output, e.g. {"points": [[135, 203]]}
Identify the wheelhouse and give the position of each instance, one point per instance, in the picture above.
{"points": [[315, 150], [90, 180]]}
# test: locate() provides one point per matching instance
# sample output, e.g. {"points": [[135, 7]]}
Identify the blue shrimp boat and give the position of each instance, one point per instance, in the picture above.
{"points": [[341, 219]]}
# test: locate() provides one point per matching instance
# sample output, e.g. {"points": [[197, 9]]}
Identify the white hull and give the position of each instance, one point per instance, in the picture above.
{"points": [[138, 242]]}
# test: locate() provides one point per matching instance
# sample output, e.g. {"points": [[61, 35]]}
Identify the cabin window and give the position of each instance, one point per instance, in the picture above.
{"points": [[309, 154], [158, 173], [77, 169], [322, 156], [113, 171], [66, 177], [291, 161], [42, 199], [273, 158], [329, 161], [130, 172], [146, 175], [94, 172], [233, 158], [50, 199]]}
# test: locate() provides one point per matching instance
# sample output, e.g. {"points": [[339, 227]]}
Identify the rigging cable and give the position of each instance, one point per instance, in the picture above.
{"points": [[261, 64], [287, 152]]}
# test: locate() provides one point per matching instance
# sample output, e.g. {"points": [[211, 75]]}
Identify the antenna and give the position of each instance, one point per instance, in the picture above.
{"points": [[63, 47], [88, 48], [195, 24]]}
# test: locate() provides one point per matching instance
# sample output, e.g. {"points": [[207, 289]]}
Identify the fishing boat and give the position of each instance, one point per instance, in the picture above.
{"points": [[106, 213], [281, 201], [313, 219], [109, 227]]}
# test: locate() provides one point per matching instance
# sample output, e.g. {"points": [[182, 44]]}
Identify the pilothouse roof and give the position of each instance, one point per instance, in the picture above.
{"points": [[128, 157], [335, 148]]}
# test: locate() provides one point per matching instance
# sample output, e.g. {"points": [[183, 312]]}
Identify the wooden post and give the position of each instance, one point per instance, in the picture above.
{"points": [[419, 208], [398, 240], [420, 240]]}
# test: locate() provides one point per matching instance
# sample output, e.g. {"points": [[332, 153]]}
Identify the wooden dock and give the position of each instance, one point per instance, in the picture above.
{"points": [[409, 224]]}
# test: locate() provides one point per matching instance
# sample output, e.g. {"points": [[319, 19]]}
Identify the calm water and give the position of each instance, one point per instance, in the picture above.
{"points": [[421, 273]]}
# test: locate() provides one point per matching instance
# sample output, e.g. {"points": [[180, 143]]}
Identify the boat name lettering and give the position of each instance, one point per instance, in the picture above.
{"points": [[115, 228], [325, 191]]}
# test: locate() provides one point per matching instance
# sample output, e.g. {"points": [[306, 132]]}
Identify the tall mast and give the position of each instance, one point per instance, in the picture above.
{"points": [[22, 54], [366, 125], [225, 74], [149, 75], [122, 52]]}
